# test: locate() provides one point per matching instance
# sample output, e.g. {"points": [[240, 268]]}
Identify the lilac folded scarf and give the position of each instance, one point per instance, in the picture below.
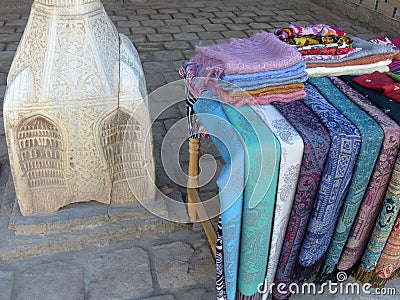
{"points": [[259, 53]]}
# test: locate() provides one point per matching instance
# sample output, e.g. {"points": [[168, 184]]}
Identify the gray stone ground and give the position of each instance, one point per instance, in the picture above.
{"points": [[159, 264]]}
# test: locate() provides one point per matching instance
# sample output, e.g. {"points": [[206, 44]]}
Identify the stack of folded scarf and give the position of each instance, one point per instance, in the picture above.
{"points": [[260, 69], [394, 66], [327, 50]]}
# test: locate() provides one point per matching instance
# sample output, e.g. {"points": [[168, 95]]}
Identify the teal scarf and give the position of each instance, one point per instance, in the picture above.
{"points": [[262, 158]]}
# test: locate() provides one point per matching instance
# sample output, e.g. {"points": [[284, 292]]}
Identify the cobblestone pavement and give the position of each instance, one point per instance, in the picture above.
{"points": [[162, 266]]}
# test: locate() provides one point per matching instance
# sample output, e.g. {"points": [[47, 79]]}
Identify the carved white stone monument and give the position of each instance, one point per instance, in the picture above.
{"points": [[73, 90]]}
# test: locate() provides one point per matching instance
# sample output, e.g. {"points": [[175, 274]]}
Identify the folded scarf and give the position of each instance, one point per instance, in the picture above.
{"points": [[269, 90], [306, 40], [338, 171], [329, 52], [317, 29], [395, 77], [375, 80], [350, 210], [252, 84], [290, 71], [355, 62], [230, 182], [368, 49], [391, 108], [381, 66], [395, 65], [323, 46], [310, 58], [259, 53], [262, 166], [291, 156], [262, 100], [316, 146]]}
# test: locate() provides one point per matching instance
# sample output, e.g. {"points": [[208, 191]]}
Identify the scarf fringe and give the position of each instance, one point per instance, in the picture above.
{"points": [[240, 296], [329, 277], [364, 276], [370, 277]]}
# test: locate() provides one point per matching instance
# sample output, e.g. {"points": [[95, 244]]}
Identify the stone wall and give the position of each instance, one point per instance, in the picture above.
{"points": [[384, 15]]}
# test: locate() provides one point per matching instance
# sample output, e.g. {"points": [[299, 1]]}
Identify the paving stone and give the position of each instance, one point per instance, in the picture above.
{"points": [[199, 21], [16, 23], [234, 34], [209, 9], [168, 55], [5, 37], [153, 23], [210, 35], [118, 18], [280, 18], [143, 30], [186, 36], [160, 37], [160, 17], [55, 280], [8, 29], [215, 27], [192, 28], [168, 11], [127, 23], [177, 22], [169, 29], [180, 265], [189, 10], [173, 45], [240, 20], [6, 283], [225, 14], [182, 16], [205, 15], [163, 297], [137, 38], [120, 274], [137, 17], [264, 26], [220, 21], [198, 294]]}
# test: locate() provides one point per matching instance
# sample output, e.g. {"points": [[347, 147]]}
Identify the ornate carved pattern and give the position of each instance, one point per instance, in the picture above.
{"points": [[106, 41], [32, 54], [64, 2], [74, 52], [89, 181], [124, 149], [42, 159]]}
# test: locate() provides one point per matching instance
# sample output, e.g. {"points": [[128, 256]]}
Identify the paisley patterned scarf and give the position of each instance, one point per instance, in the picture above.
{"points": [[291, 156], [335, 181], [316, 146]]}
